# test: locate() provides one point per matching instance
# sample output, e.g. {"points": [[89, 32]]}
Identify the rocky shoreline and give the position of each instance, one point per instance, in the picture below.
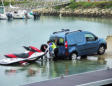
{"points": [[88, 12], [65, 11]]}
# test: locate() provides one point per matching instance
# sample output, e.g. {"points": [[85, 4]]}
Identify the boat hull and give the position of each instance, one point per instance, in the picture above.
{"points": [[3, 17], [17, 61]]}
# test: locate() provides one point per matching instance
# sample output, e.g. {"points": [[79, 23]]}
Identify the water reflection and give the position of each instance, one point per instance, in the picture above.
{"points": [[36, 19], [31, 69], [43, 70], [102, 59], [54, 69]]}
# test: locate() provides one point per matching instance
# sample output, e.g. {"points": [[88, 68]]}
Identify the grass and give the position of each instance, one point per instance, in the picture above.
{"points": [[14, 2], [101, 4]]}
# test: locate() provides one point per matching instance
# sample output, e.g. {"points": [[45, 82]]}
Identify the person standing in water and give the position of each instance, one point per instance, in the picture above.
{"points": [[53, 50]]}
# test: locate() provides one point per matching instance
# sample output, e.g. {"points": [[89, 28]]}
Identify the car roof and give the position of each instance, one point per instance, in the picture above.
{"points": [[63, 33]]}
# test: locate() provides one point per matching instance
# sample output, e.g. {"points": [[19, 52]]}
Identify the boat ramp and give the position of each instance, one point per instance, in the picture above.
{"points": [[93, 78]]}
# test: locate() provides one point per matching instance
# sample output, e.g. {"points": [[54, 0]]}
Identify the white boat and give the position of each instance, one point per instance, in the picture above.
{"points": [[3, 17], [20, 14], [17, 14], [2, 12]]}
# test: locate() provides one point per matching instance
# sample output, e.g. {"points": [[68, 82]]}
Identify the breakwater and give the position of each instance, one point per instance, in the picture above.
{"points": [[89, 12]]}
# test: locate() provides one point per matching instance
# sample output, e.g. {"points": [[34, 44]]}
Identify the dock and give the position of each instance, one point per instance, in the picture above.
{"points": [[93, 78]]}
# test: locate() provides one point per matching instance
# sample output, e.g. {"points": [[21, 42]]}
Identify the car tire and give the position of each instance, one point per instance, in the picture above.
{"points": [[101, 50], [73, 56]]}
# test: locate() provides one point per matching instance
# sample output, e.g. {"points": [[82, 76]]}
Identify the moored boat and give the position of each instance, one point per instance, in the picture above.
{"points": [[2, 13]]}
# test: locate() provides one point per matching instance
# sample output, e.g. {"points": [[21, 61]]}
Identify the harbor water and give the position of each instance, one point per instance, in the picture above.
{"points": [[17, 33]]}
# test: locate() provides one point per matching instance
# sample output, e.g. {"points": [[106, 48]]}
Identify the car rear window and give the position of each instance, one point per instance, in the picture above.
{"points": [[58, 40]]}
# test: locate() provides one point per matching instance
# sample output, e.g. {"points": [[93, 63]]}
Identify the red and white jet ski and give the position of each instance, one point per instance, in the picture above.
{"points": [[31, 55]]}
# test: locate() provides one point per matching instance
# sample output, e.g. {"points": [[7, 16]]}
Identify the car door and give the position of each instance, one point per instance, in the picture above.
{"points": [[76, 42], [91, 44], [60, 46]]}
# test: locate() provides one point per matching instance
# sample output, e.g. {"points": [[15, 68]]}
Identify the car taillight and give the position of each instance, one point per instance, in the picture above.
{"points": [[66, 48], [66, 45]]}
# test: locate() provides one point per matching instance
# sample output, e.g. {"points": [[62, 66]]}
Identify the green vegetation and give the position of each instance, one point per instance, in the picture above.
{"points": [[101, 4], [57, 7], [13, 2]]}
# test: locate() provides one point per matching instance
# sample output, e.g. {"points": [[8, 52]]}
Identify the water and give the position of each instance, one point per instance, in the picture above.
{"points": [[16, 76], [17, 33]]}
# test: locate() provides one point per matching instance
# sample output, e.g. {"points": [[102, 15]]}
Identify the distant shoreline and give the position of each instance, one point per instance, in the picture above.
{"points": [[88, 12], [85, 9], [88, 9]]}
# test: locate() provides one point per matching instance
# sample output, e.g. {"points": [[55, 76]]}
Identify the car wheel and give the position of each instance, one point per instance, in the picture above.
{"points": [[73, 56], [101, 50]]}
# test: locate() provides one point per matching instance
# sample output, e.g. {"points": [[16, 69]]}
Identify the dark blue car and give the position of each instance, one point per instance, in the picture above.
{"points": [[77, 43]]}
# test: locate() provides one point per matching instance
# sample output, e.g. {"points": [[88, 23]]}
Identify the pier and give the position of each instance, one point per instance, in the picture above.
{"points": [[94, 78]]}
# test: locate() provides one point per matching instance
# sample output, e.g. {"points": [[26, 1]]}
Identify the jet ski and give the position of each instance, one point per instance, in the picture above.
{"points": [[31, 55]]}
